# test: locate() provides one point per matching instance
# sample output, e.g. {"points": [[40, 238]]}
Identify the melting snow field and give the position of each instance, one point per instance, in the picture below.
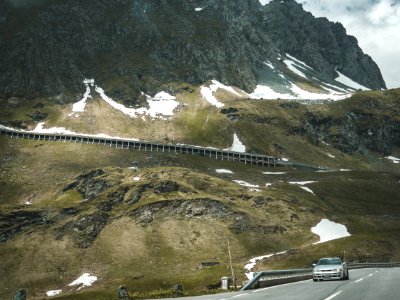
{"points": [[237, 145], [84, 280], [39, 129], [302, 183], [329, 231], [296, 93], [274, 173], [395, 160], [223, 171], [246, 184], [80, 105], [207, 92], [163, 104], [61, 130], [349, 82], [295, 68], [253, 262], [53, 293], [160, 106]]}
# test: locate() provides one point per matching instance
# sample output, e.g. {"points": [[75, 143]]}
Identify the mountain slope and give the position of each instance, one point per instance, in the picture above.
{"points": [[142, 46], [134, 222]]}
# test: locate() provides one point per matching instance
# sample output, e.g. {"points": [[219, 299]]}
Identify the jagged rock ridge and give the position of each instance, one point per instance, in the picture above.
{"points": [[134, 46]]}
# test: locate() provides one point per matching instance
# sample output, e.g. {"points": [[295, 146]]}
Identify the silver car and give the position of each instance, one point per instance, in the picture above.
{"points": [[329, 269]]}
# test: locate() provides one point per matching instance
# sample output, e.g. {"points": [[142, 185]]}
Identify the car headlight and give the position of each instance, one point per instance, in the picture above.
{"points": [[339, 270]]}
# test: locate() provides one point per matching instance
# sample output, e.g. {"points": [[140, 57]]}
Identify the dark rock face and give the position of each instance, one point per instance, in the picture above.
{"points": [[324, 45], [38, 116], [355, 132], [133, 46], [200, 208], [91, 184], [85, 229], [15, 223]]}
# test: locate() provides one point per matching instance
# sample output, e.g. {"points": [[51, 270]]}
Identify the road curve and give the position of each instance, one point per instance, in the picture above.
{"points": [[364, 284]]}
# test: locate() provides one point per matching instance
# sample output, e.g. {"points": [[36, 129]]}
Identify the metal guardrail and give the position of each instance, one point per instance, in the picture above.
{"points": [[276, 275], [352, 266], [245, 158], [283, 276], [231, 156]]}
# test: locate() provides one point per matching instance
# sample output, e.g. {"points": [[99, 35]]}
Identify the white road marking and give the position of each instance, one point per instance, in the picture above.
{"points": [[279, 285], [333, 296], [237, 296], [370, 274], [361, 279]]}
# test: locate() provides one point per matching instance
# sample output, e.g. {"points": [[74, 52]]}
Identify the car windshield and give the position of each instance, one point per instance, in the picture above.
{"points": [[329, 261]]}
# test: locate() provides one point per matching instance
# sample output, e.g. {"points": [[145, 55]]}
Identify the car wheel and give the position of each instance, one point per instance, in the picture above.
{"points": [[315, 280]]}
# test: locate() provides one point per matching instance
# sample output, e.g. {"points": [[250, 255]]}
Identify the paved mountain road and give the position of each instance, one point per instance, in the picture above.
{"points": [[364, 284]]}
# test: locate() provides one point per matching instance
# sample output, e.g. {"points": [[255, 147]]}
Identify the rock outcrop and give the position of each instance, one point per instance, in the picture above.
{"points": [[368, 125], [324, 45], [145, 45]]}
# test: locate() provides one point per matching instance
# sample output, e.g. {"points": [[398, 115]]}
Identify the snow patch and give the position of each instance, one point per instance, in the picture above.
{"points": [[328, 231], [301, 182], [223, 171], [330, 155], [136, 178], [199, 8], [162, 104], [80, 105], [83, 281], [307, 189], [394, 160], [53, 293], [237, 145], [292, 66], [207, 92], [267, 63], [252, 263], [61, 130], [274, 173], [349, 82], [297, 61], [265, 92], [39, 129], [306, 95], [263, 2], [297, 93], [246, 184]]}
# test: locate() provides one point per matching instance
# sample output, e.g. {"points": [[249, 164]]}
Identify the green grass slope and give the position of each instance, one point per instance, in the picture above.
{"points": [[147, 220]]}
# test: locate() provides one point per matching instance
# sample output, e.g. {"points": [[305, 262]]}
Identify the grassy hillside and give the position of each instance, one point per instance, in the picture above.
{"points": [[147, 220]]}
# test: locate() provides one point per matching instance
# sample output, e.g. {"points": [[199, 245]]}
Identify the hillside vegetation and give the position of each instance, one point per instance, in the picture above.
{"points": [[147, 220]]}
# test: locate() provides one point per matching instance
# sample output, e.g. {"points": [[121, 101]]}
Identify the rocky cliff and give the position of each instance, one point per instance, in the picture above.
{"points": [[324, 45], [47, 47]]}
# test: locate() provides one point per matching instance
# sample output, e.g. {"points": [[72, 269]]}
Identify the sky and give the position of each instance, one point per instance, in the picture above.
{"points": [[375, 24]]}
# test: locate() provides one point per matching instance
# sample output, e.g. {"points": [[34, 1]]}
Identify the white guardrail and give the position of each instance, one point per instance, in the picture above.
{"points": [[270, 278]]}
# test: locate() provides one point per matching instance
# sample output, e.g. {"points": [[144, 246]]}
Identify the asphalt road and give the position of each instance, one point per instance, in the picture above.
{"points": [[364, 284]]}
